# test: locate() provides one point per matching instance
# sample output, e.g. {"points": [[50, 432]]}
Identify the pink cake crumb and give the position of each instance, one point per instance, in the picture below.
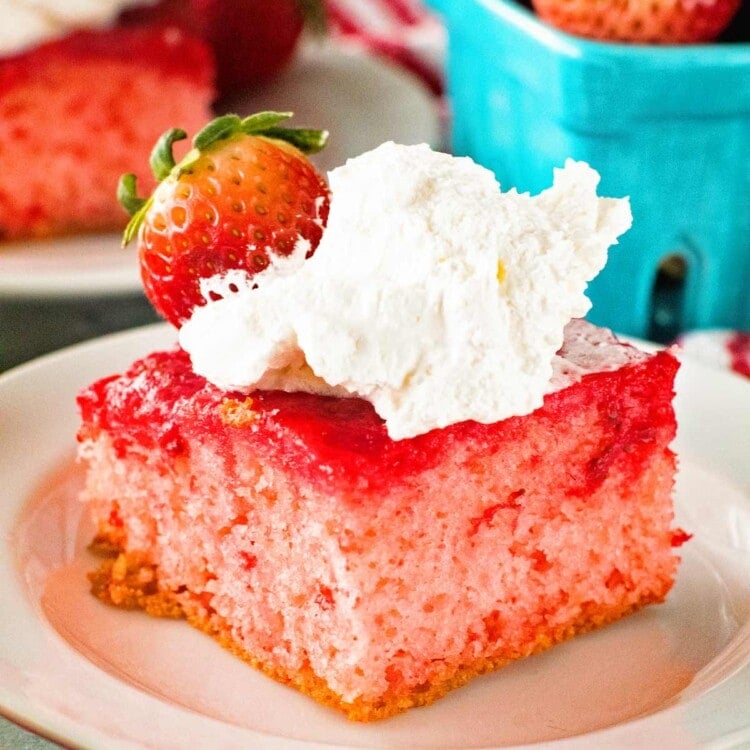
{"points": [[372, 574], [77, 113]]}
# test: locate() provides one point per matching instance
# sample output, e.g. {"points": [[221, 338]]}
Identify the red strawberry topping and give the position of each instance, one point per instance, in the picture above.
{"points": [[244, 195]]}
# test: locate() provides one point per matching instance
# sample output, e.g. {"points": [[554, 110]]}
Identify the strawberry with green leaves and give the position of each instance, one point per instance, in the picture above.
{"points": [[640, 21], [246, 193]]}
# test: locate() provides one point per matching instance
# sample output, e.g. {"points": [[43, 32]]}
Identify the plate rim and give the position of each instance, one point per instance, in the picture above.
{"points": [[72, 282], [59, 728]]}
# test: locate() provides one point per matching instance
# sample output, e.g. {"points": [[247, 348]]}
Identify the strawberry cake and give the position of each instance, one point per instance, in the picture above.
{"points": [[79, 109], [374, 468]]}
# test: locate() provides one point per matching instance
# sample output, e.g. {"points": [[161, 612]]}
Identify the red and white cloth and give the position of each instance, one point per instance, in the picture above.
{"points": [[408, 34], [402, 31]]}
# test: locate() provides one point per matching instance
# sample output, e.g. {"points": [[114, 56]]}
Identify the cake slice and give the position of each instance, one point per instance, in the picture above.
{"points": [[77, 112], [376, 574], [387, 461]]}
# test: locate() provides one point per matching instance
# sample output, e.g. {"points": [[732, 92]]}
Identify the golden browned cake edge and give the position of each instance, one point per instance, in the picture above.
{"points": [[124, 580]]}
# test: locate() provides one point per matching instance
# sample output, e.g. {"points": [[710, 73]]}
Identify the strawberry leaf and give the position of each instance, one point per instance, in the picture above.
{"points": [[162, 160], [261, 121], [216, 130], [307, 140], [135, 206], [135, 222], [127, 195]]}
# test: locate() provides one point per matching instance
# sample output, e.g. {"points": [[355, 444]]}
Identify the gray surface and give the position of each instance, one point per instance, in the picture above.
{"points": [[12, 737], [31, 327]]}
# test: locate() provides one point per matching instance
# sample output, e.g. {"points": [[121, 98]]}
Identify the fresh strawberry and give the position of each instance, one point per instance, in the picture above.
{"points": [[245, 193], [640, 21], [252, 39]]}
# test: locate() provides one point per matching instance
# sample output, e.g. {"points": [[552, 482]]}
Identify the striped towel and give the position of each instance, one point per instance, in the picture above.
{"points": [[401, 31]]}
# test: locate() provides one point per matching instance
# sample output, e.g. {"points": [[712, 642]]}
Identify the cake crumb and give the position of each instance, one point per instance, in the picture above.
{"points": [[127, 582], [237, 413]]}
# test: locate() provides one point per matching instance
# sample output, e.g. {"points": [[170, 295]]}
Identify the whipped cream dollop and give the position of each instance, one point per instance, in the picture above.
{"points": [[432, 294], [27, 23]]}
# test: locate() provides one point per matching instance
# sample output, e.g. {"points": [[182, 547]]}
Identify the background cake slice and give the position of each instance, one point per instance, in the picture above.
{"points": [[377, 574], [77, 112]]}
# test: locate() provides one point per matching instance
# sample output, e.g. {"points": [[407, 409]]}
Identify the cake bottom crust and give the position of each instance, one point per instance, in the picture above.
{"points": [[125, 581]]}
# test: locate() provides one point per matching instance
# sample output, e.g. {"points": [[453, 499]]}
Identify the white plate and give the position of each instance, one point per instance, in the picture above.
{"points": [[362, 101], [88, 265], [672, 676]]}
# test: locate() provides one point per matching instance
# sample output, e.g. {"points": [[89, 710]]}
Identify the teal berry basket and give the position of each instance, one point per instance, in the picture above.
{"points": [[668, 126]]}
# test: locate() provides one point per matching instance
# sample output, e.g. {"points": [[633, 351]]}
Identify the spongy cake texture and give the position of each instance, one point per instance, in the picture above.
{"points": [[373, 574], [77, 113]]}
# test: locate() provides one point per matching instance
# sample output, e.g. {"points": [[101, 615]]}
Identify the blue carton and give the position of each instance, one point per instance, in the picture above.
{"points": [[668, 126]]}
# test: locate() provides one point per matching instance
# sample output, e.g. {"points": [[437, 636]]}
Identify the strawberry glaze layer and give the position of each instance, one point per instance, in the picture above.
{"points": [[165, 48], [160, 403]]}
